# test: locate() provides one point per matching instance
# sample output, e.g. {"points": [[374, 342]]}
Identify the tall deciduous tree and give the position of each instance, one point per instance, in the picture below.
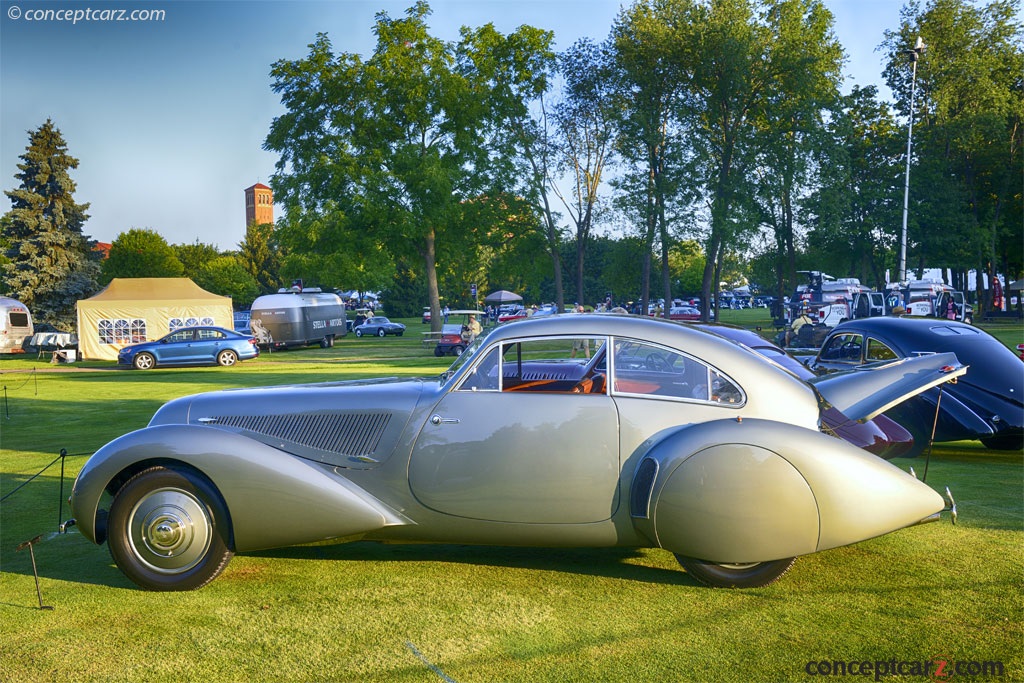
{"points": [[51, 262], [391, 147], [141, 252], [585, 118], [226, 275], [968, 115], [653, 55]]}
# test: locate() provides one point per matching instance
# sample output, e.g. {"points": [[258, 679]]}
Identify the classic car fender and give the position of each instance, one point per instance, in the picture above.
{"points": [[273, 499], [754, 490]]}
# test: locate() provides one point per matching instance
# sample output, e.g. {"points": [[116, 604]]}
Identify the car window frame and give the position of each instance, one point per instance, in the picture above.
{"points": [[503, 346], [709, 370]]}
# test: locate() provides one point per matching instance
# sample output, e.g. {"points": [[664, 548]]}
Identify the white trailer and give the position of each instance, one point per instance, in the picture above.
{"points": [[15, 325]]}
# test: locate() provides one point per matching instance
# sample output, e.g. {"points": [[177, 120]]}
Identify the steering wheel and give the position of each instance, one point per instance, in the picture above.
{"points": [[656, 363]]}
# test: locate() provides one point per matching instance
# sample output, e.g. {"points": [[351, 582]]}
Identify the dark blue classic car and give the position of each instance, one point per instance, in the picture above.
{"points": [[191, 346], [986, 404]]}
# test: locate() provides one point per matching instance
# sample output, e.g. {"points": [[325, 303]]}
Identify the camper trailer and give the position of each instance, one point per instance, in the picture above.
{"points": [[15, 325], [298, 317]]}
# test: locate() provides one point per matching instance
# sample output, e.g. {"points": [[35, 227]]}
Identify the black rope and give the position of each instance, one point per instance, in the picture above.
{"points": [[63, 454]]}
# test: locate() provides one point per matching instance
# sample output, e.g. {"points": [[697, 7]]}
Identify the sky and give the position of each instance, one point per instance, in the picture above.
{"points": [[166, 104]]}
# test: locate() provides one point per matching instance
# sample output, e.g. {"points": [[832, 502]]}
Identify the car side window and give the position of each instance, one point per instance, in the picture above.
{"points": [[843, 348], [211, 334], [878, 351], [181, 336], [640, 368], [549, 365]]}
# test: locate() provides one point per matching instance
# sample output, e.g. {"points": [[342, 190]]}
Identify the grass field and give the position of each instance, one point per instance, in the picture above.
{"points": [[373, 612]]}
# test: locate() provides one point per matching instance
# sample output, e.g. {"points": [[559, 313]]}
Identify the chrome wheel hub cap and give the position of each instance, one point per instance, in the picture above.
{"points": [[170, 530]]}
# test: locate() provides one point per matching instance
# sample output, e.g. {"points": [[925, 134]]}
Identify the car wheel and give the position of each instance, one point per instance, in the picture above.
{"points": [[359, 333], [227, 358], [168, 530], [747, 575], [438, 351], [399, 334], [457, 351], [144, 361], [381, 332]]}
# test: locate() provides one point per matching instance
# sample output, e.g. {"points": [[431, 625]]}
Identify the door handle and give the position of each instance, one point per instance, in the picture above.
{"points": [[438, 420]]}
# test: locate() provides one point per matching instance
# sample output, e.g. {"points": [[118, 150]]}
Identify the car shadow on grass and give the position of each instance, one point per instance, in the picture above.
{"points": [[619, 563]]}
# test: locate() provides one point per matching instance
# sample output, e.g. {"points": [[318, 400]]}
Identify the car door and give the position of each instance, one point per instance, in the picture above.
{"points": [[175, 347], [528, 447], [207, 345]]}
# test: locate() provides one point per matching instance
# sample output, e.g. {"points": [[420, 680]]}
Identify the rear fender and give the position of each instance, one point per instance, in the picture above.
{"points": [[273, 499], [755, 490]]}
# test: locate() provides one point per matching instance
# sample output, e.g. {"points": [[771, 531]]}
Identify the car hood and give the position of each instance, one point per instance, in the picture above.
{"points": [[355, 424], [866, 391]]}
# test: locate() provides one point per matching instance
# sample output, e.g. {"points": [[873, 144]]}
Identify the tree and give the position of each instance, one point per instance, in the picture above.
{"points": [[141, 252], [387, 150], [49, 258], [585, 119], [194, 256], [969, 110], [791, 125], [653, 62], [260, 255], [227, 276]]}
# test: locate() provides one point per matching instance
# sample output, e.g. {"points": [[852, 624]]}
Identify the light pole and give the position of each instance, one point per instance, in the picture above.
{"points": [[914, 55]]}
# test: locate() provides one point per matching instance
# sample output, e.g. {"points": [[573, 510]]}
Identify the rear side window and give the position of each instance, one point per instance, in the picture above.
{"points": [[879, 351], [640, 368]]}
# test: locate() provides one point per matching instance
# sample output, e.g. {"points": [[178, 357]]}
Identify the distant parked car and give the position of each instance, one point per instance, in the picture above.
{"points": [[683, 313], [380, 326], [987, 403], [426, 315], [191, 346]]}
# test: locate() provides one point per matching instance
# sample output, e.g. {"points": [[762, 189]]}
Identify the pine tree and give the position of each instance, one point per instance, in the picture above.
{"points": [[51, 262], [261, 257]]}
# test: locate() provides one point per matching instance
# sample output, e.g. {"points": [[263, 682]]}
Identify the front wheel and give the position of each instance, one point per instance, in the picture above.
{"points": [[169, 530], [381, 332], [227, 358], [746, 575], [359, 333]]}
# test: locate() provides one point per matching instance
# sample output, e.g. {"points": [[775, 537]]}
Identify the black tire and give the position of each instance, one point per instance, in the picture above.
{"points": [[438, 351], [1004, 442], [750, 575], [359, 333], [144, 361], [381, 332], [324, 343], [168, 530], [227, 358], [458, 349]]}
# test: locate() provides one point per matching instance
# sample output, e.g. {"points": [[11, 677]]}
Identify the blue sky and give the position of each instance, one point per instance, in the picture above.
{"points": [[168, 117]]}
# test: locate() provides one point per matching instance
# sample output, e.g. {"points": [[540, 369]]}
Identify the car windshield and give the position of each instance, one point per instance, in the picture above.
{"points": [[462, 359]]}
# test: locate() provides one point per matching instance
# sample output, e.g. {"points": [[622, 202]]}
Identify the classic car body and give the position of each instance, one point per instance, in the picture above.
{"points": [[987, 404], [379, 326], [665, 436]]}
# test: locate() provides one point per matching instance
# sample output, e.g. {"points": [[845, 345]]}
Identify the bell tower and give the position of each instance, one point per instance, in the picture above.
{"points": [[259, 205]]}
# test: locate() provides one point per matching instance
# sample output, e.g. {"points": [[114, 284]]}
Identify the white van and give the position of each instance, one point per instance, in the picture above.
{"points": [[15, 325]]}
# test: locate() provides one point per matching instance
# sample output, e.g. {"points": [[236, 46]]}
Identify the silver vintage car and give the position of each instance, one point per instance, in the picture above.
{"points": [[582, 430]]}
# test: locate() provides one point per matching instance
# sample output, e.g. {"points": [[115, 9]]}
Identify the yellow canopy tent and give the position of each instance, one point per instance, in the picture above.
{"points": [[132, 310]]}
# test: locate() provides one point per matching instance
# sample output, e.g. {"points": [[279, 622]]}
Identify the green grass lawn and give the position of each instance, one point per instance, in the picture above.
{"points": [[375, 612]]}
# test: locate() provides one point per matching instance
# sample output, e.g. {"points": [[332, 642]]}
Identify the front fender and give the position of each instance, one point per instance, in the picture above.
{"points": [[755, 490], [273, 498]]}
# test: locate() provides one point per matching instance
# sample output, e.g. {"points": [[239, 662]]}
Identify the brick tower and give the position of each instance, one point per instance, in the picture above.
{"points": [[259, 204]]}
